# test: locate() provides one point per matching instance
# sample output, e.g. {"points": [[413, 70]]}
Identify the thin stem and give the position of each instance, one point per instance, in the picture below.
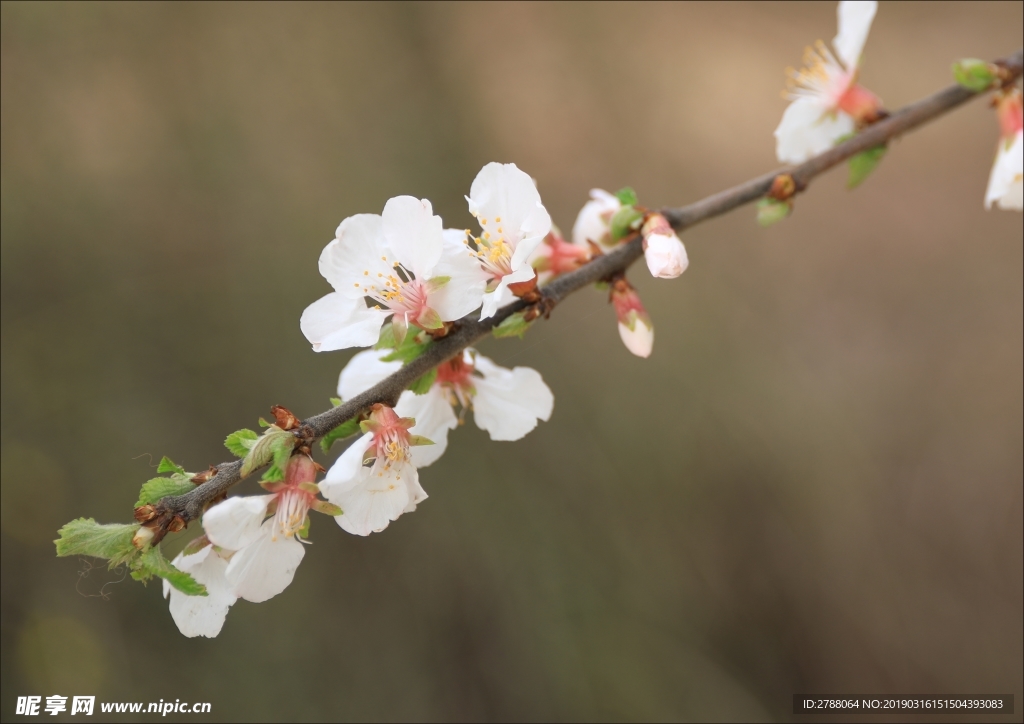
{"points": [[465, 332]]}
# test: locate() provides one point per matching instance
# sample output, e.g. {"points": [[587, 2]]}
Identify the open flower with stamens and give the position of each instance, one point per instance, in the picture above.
{"points": [[1006, 182], [267, 550], [513, 222], [201, 615], [593, 223], [375, 480], [507, 403], [635, 326], [399, 264], [827, 103]]}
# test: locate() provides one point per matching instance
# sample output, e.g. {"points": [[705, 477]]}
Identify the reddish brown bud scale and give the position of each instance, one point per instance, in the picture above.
{"points": [[284, 417]]}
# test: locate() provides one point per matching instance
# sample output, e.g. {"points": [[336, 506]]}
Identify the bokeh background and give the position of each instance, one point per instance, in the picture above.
{"points": [[814, 485]]}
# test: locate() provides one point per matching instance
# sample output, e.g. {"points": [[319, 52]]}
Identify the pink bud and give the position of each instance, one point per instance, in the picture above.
{"points": [[663, 251], [635, 327], [1010, 112]]}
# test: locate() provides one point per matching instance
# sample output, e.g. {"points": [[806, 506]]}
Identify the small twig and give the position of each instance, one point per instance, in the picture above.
{"points": [[190, 506]]}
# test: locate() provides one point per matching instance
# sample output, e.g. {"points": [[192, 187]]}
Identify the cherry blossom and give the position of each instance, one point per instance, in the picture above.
{"points": [[267, 550], [400, 261], [513, 222], [506, 403], [1006, 182], [201, 615], [827, 103], [663, 251], [593, 223], [635, 326]]}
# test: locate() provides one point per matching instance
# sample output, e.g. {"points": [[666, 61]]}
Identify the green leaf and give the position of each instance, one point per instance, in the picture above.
{"points": [[974, 74], [770, 211], [86, 537], [240, 442], [625, 220], [335, 401], [387, 338], [158, 488], [273, 474], [409, 350], [152, 563], [422, 384], [512, 326], [342, 431], [863, 164], [627, 196], [272, 445], [263, 423], [168, 466]]}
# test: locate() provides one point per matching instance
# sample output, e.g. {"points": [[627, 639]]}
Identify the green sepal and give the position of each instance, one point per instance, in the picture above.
{"points": [[436, 283], [240, 442], [273, 474], [158, 488], [152, 563], [335, 401], [322, 506], [429, 319], [771, 211], [169, 466], [420, 440], [387, 338], [367, 426], [863, 164], [195, 545], [86, 537], [422, 384], [342, 431], [303, 532], [624, 221], [627, 196], [974, 74], [601, 286], [512, 326]]}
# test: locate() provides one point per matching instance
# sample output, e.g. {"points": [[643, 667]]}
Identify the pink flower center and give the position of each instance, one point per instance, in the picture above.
{"points": [[390, 439], [1011, 114]]}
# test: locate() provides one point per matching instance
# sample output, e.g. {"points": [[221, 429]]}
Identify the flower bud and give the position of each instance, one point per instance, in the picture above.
{"points": [[664, 252], [974, 74], [142, 537], [635, 327], [594, 220]]}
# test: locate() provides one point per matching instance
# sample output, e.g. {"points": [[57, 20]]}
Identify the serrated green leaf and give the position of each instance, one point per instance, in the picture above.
{"points": [[627, 196], [152, 563], [86, 537], [863, 164], [342, 431], [168, 466], [624, 221], [270, 446], [512, 326], [974, 74], [771, 211], [159, 488], [422, 384], [335, 401], [240, 442]]}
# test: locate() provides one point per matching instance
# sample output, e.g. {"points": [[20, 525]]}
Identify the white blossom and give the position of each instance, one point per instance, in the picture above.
{"points": [[201, 615], [513, 222], [827, 103]]}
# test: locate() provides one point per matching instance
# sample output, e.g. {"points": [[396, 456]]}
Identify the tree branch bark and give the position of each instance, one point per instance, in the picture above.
{"points": [[465, 332]]}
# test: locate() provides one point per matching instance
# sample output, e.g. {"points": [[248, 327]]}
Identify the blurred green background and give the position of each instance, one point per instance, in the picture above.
{"points": [[813, 485]]}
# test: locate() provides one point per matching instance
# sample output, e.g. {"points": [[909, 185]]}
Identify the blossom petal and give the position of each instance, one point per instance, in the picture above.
{"points": [[413, 234], [265, 567], [374, 501], [665, 255], [338, 322], [508, 403], [365, 370], [495, 300], [347, 469], [508, 206], [354, 259], [639, 340], [201, 615], [466, 279], [807, 129], [1006, 182], [855, 18], [434, 418], [592, 223], [416, 493], [235, 523]]}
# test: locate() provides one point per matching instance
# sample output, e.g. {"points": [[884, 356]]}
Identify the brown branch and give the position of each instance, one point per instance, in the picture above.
{"points": [[190, 506]]}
